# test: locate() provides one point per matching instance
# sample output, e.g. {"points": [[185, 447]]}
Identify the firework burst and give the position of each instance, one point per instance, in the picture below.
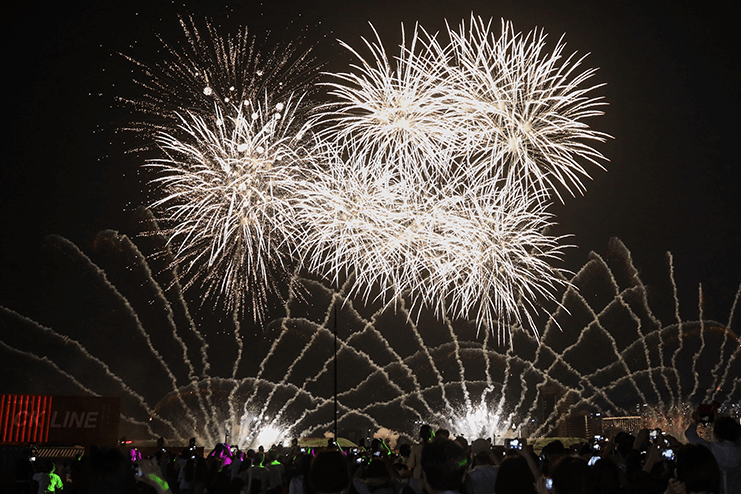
{"points": [[227, 180], [441, 166], [428, 177], [525, 108], [209, 69], [387, 119], [479, 254], [495, 107]]}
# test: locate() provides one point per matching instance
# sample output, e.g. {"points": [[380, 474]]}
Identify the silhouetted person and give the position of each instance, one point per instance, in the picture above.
{"points": [[515, 477], [329, 474], [415, 458], [696, 472], [572, 475], [24, 472], [726, 448], [444, 463], [483, 475]]}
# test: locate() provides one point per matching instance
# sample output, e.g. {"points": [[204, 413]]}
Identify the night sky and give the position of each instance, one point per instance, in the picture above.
{"points": [[672, 76]]}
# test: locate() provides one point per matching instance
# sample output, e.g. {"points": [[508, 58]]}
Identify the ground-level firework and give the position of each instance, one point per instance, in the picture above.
{"points": [[178, 375]]}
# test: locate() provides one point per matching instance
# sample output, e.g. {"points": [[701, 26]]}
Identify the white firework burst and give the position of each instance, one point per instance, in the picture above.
{"points": [[227, 180], [478, 253], [392, 118], [210, 69], [492, 259], [497, 107], [526, 107], [428, 178]]}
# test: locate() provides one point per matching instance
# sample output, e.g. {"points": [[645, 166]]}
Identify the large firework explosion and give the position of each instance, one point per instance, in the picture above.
{"points": [[227, 182], [427, 178]]}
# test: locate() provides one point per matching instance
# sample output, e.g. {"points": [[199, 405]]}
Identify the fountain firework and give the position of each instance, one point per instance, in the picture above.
{"points": [[610, 354]]}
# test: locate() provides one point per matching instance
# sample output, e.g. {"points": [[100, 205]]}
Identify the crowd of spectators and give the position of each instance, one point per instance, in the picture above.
{"points": [[647, 463]]}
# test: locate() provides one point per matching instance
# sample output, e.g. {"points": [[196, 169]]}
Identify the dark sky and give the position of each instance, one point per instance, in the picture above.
{"points": [[672, 72]]}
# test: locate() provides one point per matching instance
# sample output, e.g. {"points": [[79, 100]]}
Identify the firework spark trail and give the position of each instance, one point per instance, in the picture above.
{"points": [[720, 365], [596, 321], [152, 284], [619, 296], [487, 369], [397, 358], [240, 347], [635, 279], [461, 368], [174, 288], [643, 345], [701, 311], [160, 294], [733, 307], [675, 399], [238, 340], [734, 356], [327, 316], [67, 375], [522, 381], [100, 276], [77, 347], [426, 351]]}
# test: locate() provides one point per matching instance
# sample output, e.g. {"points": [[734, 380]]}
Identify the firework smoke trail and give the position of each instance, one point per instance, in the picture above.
{"points": [[226, 182], [720, 365], [675, 400], [71, 350]]}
